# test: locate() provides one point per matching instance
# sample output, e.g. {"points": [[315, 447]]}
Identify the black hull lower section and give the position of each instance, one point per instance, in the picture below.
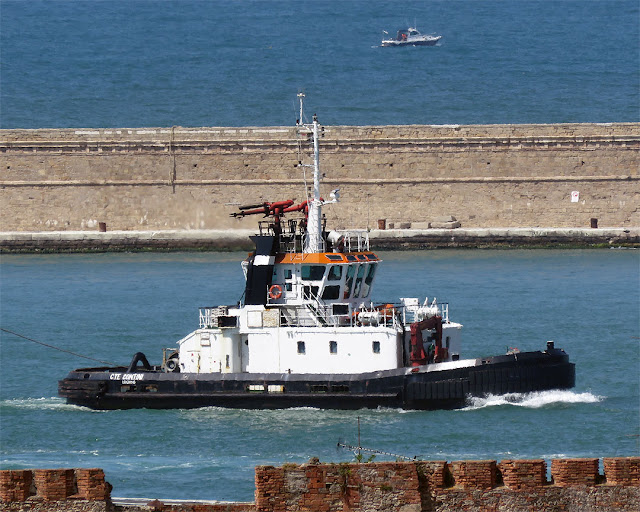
{"points": [[428, 387]]}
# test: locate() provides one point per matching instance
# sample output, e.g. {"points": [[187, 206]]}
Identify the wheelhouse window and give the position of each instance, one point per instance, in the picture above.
{"points": [[333, 347], [358, 286], [335, 273], [366, 288], [351, 271], [313, 272], [375, 346], [301, 348]]}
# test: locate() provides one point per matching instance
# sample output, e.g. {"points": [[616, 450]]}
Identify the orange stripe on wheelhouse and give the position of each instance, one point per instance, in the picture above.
{"points": [[326, 257]]}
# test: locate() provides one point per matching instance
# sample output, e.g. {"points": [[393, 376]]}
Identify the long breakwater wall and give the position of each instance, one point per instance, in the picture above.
{"points": [[416, 486], [486, 176]]}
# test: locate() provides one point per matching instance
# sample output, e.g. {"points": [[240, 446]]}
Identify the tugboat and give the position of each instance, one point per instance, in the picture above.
{"points": [[411, 37], [308, 334]]}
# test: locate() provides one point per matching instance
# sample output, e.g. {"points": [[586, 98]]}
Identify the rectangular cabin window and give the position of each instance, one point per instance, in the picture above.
{"points": [[351, 271], [227, 365], [447, 341], [358, 286], [339, 309], [333, 347], [313, 272], [368, 280], [331, 292], [335, 273], [288, 274], [376, 347], [301, 348]]}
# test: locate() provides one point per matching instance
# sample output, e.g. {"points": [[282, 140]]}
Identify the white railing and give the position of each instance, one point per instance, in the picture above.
{"points": [[355, 240], [317, 314], [209, 316], [416, 312]]}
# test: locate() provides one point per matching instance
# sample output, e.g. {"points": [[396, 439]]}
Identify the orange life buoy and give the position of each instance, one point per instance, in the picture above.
{"points": [[275, 292]]}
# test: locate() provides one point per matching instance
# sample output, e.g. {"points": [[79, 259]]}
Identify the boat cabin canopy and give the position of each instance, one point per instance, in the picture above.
{"points": [[404, 33]]}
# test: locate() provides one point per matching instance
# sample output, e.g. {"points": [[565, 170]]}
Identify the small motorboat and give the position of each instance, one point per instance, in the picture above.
{"points": [[411, 37]]}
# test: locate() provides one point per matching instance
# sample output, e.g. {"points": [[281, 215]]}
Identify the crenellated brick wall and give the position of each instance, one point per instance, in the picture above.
{"points": [[417, 486], [54, 485], [440, 486]]}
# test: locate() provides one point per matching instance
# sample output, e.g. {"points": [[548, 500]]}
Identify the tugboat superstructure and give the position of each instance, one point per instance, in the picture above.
{"points": [[308, 334]]}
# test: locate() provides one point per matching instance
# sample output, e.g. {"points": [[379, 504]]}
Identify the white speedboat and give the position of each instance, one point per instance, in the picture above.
{"points": [[411, 37]]}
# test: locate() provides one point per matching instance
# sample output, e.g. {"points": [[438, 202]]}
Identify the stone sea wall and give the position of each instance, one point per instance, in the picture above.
{"points": [[485, 176], [416, 486]]}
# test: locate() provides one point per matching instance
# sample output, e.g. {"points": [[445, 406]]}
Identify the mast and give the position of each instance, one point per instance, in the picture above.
{"points": [[314, 241]]}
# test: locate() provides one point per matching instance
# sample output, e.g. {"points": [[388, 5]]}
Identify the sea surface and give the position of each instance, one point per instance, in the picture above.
{"points": [[109, 306], [122, 63]]}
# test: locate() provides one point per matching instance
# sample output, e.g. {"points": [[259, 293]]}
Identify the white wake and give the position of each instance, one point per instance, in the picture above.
{"points": [[534, 400]]}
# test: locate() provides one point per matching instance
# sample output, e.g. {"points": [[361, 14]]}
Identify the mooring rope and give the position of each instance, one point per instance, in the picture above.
{"points": [[54, 347]]}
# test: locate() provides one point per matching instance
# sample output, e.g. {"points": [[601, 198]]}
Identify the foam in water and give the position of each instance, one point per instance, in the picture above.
{"points": [[53, 403], [534, 400]]}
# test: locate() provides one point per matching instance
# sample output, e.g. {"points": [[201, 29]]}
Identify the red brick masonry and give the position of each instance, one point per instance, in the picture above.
{"points": [[420, 486], [54, 485]]}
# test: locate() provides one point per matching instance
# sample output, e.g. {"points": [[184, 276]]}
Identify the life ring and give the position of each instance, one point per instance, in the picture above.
{"points": [[275, 292]]}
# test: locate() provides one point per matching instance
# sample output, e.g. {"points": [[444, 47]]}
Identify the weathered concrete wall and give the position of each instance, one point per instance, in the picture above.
{"points": [[192, 178], [238, 239]]}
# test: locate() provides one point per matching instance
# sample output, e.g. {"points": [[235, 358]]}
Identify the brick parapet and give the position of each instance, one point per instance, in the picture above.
{"points": [[622, 471], [474, 474], [54, 485], [523, 474], [420, 486], [15, 485], [575, 472], [458, 485]]}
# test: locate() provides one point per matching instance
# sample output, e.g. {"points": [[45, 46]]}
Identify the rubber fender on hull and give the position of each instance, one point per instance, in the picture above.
{"points": [[139, 357]]}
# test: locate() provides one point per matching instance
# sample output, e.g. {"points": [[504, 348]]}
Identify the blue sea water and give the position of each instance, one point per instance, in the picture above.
{"points": [[109, 306], [90, 63]]}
